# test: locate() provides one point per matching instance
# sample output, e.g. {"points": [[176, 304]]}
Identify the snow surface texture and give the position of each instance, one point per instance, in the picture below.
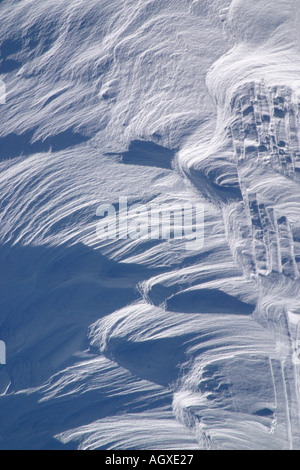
{"points": [[141, 344]]}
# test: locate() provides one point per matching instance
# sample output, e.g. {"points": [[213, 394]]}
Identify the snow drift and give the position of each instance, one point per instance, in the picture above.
{"points": [[136, 344]]}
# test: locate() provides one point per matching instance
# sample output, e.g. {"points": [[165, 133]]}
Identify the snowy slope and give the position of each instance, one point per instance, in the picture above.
{"points": [[136, 344]]}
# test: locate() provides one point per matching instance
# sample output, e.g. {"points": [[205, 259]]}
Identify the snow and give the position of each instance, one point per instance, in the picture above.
{"points": [[143, 344]]}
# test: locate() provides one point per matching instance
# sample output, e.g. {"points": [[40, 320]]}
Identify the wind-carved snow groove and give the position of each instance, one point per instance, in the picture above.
{"points": [[262, 231], [265, 136], [265, 128], [265, 140]]}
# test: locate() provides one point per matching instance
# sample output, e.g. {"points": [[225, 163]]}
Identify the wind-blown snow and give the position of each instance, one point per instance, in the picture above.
{"points": [[134, 344]]}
